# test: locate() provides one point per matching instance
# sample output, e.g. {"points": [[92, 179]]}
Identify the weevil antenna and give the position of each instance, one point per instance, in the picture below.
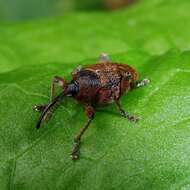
{"points": [[72, 89]]}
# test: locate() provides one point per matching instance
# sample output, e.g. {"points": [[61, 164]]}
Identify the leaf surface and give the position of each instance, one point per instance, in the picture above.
{"points": [[115, 154]]}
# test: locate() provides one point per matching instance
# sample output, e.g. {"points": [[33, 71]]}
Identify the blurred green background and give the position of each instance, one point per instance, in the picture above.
{"points": [[14, 10]]}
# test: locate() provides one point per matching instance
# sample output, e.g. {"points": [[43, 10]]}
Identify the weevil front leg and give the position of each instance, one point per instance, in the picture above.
{"points": [[57, 81], [89, 110], [125, 114], [140, 83]]}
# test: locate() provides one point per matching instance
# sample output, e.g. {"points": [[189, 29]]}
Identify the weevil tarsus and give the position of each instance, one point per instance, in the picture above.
{"points": [[141, 83], [125, 114], [39, 108]]}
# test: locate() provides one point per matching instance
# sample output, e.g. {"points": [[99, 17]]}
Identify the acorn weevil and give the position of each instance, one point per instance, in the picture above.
{"points": [[98, 84]]}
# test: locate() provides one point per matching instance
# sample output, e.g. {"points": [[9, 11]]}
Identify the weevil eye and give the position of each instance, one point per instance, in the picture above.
{"points": [[128, 75]]}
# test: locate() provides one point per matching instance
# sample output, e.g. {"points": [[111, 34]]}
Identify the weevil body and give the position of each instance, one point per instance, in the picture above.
{"points": [[98, 84], [102, 83]]}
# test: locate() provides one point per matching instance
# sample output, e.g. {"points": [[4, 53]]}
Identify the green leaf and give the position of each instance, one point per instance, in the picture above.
{"points": [[115, 154]]}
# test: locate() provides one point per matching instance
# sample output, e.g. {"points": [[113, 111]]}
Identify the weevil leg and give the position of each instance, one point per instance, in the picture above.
{"points": [[57, 81], [104, 58], [125, 114], [89, 110], [140, 83]]}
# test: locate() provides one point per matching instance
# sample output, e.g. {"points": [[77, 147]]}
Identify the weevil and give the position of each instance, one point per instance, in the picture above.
{"points": [[93, 85]]}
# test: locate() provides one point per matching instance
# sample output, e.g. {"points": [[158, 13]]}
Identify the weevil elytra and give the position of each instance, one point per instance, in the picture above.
{"points": [[98, 84]]}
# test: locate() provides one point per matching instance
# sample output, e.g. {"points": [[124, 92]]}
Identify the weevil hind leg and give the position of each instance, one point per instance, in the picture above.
{"points": [[125, 114], [89, 110], [104, 58]]}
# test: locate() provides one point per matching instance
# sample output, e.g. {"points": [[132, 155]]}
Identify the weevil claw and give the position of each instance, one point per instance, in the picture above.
{"points": [[74, 157], [39, 108], [133, 118], [35, 108], [75, 151]]}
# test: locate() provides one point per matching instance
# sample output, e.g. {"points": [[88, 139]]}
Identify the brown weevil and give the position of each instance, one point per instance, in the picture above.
{"points": [[98, 84]]}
